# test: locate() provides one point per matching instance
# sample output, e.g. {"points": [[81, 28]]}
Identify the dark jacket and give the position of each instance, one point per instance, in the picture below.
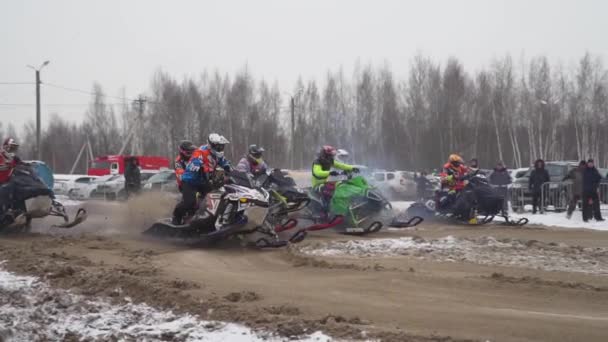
{"points": [[576, 175], [132, 176], [591, 180], [421, 184], [500, 177], [538, 177]]}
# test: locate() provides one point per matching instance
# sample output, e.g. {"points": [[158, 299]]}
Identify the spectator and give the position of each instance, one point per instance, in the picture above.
{"points": [[500, 178], [538, 177], [591, 201], [422, 184], [473, 165], [576, 175], [132, 176]]}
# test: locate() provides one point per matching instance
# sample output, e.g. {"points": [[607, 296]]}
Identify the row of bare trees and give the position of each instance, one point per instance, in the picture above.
{"points": [[510, 111]]}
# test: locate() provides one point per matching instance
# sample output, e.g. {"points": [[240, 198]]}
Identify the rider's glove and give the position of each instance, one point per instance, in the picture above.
{"points": [[227, 168], [450, 179], [334, 173], [356, 170]]}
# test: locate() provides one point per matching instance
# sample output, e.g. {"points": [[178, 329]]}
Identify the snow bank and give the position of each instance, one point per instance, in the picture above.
{"points": [[550, 219], [560, 220], [484, 250], [30, 310]]}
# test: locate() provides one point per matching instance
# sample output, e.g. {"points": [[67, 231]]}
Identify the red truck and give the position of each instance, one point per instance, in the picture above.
{"points": [[107, 165]]}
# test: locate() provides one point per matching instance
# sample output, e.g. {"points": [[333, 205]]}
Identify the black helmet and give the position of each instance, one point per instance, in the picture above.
{"points": [[255, 152], [186, 148]]}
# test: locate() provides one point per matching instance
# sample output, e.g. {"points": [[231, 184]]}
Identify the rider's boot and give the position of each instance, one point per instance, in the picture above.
{"points": [[7, 218]]}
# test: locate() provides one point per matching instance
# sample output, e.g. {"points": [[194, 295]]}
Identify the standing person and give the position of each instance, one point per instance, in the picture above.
{"points": [[576, 175], [591, 201], [422, 183], [132, 176], [474, 165], [538, 177], [500, 178]]}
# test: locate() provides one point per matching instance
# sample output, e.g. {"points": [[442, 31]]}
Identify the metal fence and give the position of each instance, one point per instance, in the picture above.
{"points": [[517, 196], [555, 196], [603, 193]]}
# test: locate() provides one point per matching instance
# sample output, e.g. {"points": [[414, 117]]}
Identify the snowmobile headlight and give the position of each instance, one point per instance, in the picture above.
{"points": [[243, 200]]}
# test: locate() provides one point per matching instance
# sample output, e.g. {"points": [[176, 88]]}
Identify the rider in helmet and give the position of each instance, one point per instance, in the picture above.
{"points": [[8, 159], [253, 162], [452, 180], [322, 169], [453, 172], [186, 149], [196, 177], [8, 162]]}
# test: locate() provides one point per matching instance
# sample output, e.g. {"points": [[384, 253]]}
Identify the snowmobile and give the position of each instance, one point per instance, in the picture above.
{"points": [[285, 198], [31, 198], [477, 204], [223, 216], [353, 207]]}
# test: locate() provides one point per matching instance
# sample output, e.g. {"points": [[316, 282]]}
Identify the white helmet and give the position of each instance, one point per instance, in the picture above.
{"points": [[217, 143]]}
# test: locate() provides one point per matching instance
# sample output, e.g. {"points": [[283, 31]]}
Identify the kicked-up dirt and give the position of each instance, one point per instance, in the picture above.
{"points": [[435, 283]]}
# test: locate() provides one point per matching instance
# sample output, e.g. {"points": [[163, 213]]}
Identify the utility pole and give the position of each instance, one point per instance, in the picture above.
{"points": [[38, 148], [292, 98], [38, 123], [293, 132], [139, 102]]}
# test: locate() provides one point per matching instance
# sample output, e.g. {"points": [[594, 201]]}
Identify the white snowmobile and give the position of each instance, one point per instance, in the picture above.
{"points": [[222, 216]]}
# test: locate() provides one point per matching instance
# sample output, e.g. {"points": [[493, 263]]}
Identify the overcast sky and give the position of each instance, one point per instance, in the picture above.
{"points": [[120, 43]]}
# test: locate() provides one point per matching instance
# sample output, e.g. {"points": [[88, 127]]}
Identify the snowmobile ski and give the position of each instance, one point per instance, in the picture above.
{"points": [[412, 222], [514, 223], [372, 228], [80, 217]]}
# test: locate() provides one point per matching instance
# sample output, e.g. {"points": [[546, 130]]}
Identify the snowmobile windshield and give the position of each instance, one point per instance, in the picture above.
{"points": [[27, 184], [240, 178]]}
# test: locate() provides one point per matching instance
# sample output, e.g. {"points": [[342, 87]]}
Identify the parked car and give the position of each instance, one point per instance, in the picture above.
{"points": [[64, 184], [85, 191], [396, 184], [163, 181], [518, 173], [114, 188], [557, 171]]}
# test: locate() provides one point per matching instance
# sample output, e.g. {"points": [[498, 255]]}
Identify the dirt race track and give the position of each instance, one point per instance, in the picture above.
{"points": [[428, 293]]}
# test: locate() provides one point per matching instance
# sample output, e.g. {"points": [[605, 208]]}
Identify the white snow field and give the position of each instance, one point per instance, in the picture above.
{"points": [[549, 219], [485, 250], [30, 311]]}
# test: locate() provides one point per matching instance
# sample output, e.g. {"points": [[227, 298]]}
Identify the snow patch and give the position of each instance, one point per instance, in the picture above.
{"points": [[485, 250], [549, 219], [30, 310], [560, 220]]}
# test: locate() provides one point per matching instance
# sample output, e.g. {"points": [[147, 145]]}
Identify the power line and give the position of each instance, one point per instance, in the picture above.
{"points": [[58, 104], [16, 83], [89, 92]]}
